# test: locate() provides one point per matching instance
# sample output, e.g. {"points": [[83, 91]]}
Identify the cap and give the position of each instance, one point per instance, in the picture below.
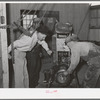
{"points": [[74, 37], [44, 30]]}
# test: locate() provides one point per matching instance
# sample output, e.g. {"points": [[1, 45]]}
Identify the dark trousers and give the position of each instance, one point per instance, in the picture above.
{"points": [[92, 74], [34, 66]]}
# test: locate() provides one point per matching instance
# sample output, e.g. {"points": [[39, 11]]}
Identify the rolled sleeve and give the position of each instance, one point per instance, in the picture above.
{"points": [[9, 48], [44, 45], [16, 44]]}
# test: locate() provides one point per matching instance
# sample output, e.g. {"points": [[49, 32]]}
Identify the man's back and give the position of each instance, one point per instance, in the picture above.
{"points": [[83, 48]]}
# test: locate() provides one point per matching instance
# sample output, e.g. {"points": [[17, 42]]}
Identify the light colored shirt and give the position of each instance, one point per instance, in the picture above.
{"points": [[79, 49], [26, 43]]}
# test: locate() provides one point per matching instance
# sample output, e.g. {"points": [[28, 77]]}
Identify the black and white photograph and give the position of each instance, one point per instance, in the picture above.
{"points": [[49, 45]]}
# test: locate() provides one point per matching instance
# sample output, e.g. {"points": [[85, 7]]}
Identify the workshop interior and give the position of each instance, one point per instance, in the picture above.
{"points": [[45, 69]]}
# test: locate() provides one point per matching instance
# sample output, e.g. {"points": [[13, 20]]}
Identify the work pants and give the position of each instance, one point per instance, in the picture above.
{"points": [[34, 66], [93, 73]]}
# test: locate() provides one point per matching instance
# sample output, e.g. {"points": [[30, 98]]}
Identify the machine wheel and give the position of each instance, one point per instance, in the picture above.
{"points": [[62, 79]]}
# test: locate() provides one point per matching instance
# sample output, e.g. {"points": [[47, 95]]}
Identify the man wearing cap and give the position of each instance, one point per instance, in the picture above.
{"points": [[87, 51], [21, 46], [34, 58]]}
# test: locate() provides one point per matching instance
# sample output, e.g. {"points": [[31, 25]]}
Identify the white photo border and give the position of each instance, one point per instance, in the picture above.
{"points": [[50, 93]]}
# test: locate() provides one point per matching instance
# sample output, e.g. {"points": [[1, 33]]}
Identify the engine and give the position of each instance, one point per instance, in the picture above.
{"points": [[61, 57]]}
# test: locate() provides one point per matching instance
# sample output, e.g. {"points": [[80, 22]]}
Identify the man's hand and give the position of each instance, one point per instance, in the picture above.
{"points": [[65, 73], [49, 52]]}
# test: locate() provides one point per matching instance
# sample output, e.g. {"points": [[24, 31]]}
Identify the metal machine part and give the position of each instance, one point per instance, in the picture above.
{"points": [[60, 77], [55, 74], [61, 57]]}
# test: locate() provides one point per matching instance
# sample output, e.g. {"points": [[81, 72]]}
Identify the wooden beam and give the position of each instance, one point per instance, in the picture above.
{"points": [[4, 52], [4, 57]]}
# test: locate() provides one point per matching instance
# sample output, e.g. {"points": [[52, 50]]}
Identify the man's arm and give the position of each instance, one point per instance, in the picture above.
{"points": [[75, 58], [45, 46], [16, 44], [9, 48]]}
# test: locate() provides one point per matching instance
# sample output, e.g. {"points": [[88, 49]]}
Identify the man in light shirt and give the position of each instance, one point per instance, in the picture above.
{"points": [[21, 46], [87, 51]]}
